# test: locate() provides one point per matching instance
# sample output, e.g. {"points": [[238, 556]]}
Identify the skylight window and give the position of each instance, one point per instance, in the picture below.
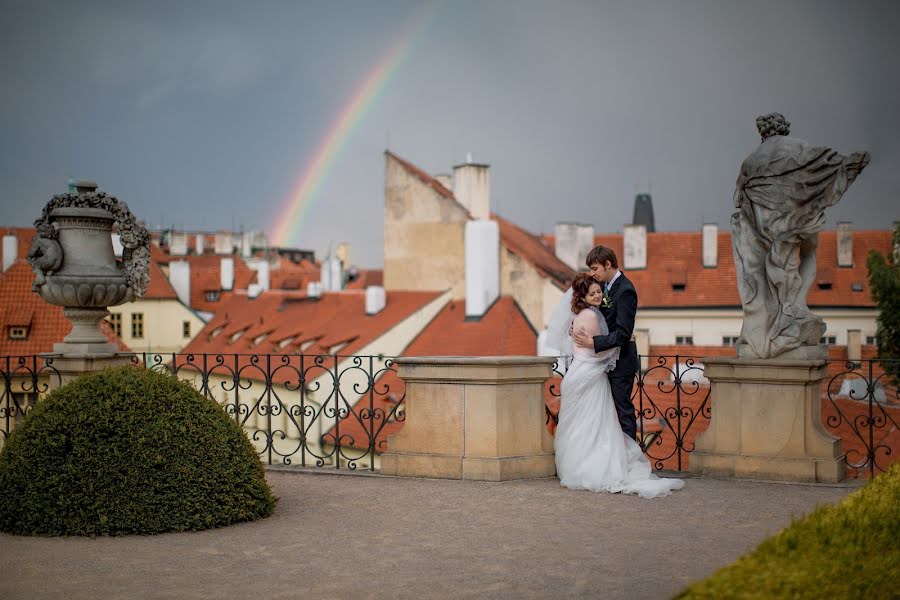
{"points": [[285, 342]]}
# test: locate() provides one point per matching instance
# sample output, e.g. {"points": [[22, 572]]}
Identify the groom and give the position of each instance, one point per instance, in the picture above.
{"points": [[618, 308]]}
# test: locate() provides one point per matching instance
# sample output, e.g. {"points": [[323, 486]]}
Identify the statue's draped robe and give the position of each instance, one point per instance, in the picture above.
{"points": [[782, 192]]}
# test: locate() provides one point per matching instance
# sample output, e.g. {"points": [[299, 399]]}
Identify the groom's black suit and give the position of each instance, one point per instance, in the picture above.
{"points": [[620, 319]]}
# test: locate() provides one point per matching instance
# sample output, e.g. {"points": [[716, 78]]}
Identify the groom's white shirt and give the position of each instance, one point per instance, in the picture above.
{"points": [[613, 280]]}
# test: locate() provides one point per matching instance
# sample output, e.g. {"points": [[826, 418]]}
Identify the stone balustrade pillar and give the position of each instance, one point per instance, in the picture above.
{"points": [[767, 422], [473, 418]]}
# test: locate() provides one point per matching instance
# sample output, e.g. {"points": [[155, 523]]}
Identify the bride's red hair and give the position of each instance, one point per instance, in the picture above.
{"points": [[580, 287]]}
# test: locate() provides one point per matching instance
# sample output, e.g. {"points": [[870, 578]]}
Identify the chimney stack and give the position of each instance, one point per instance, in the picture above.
{"points": [[178, 244], [261, 266], [635, 245], [472, 187], [199, 241], [226, 273], [376, 299], [332, 274], [180, 278], [573, 242], [314, 289], [10, 250], [223, 243], [844, 244], [710, 245], [482, 266]]}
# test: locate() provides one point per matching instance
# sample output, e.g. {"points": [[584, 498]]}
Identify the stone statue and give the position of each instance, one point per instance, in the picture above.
{"points": [[781, 194]]}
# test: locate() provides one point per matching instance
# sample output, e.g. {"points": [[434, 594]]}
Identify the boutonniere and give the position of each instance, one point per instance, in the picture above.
{"points": [[607, 301]]}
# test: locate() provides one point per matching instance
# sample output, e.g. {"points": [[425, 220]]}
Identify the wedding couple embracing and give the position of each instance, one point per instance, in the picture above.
{"points": [[596, 447]]}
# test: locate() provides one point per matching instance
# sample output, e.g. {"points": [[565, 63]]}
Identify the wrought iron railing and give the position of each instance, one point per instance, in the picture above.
{"points": [[337, 411], [24, 380], [307, 410]]}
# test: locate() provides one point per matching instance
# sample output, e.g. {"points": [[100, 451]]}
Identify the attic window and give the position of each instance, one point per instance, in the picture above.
{"points": [[18, 333], [856, 286], [285, 342], [824, 285], [216, 331], [305, 345], [678, 287], [259, 338], [212, 295], [237, 335]]}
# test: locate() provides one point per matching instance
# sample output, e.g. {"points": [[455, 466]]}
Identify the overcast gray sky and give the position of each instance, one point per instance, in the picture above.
{"points": [[203, 115]]}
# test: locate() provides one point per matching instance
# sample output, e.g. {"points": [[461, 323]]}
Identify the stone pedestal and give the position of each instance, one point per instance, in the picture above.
{"points": [[473, 418], [766, 422], [72, 366]]}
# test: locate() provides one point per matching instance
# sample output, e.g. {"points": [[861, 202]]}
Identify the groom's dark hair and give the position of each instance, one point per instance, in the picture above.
{"points": [[599, 255]]}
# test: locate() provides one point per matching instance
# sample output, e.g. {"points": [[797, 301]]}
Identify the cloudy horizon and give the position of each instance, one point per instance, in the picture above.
{"points": [[203, 115]]}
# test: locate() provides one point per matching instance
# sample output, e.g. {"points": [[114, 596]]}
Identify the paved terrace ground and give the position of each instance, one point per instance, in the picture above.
{"points": [[356, 536]]}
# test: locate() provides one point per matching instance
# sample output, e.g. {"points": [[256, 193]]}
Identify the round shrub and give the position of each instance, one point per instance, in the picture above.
{"points": [[128, 450]]}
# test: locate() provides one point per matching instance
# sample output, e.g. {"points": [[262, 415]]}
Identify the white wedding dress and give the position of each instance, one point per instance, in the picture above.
{"points": [[592, 452]]}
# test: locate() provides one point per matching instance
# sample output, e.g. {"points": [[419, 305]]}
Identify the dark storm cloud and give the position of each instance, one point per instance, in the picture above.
{"points": [[204, 114]]}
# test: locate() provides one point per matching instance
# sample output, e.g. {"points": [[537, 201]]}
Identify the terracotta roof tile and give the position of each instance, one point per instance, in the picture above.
{"points": [[676, 258]]}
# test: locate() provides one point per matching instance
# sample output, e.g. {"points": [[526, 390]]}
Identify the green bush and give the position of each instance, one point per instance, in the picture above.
{"points": [[128, 450], [847, 550]]}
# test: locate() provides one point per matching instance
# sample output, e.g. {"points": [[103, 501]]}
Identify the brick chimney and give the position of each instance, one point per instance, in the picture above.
{"points": [[635, 246], [844, 244]]}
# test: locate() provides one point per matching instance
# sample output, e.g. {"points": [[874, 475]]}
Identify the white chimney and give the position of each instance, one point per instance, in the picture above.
{"points": [[573, 242], [226, 273], [482, 266], [376, 299], [445, 180], [10, 250], [472, 187], [223, 243], [116, 244], [178, 244], [313, 289], [180, 278], [200, 240], [254, 290], [261, 266], [844, 244], [635, 243], [710, 245], [332, 274], [247, 244]]}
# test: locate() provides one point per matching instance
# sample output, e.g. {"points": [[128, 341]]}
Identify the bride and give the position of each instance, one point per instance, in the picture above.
{"points": [[592, 452]]}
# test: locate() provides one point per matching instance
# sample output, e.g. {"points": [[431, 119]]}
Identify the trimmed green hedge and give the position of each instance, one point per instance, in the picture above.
{"points": [[128, 450], [847, 550]]}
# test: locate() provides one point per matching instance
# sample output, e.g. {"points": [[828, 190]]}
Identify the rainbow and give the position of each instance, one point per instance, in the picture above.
{"points": [[295, 209]]}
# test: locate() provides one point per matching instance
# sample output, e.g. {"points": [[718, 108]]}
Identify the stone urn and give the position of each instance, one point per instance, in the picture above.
{"points": [[76, 268]]}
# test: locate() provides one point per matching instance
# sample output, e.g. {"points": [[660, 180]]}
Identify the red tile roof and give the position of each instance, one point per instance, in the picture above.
{"points": [[676, 258], [21, 306], [160, 288], [331, 320]]}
